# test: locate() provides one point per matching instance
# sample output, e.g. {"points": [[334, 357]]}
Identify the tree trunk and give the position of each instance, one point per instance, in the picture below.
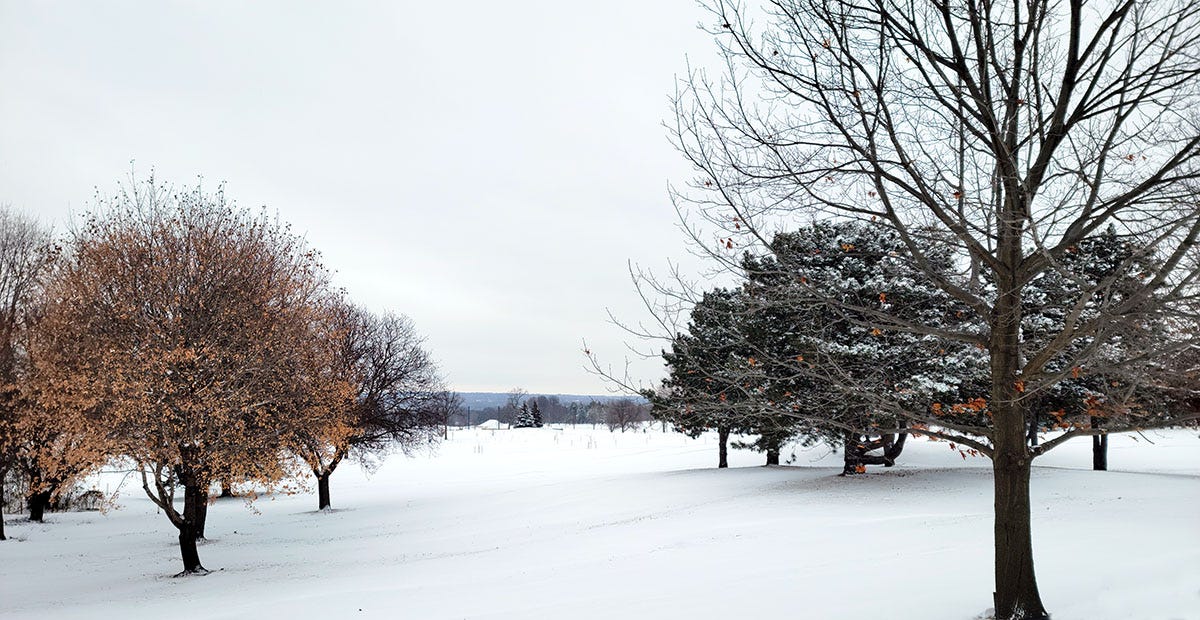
{"points": [[201, 516], [893, 448], [226, 488], [1016, 596], [323, 473], [851, 454], [188, 551], [199, 496], [2, 473], [855, 448], [722, 447], [1033, 429], [195, 503], [37, 503], [1099, 449], [771, 444], [323, 491], [1016, 593]]}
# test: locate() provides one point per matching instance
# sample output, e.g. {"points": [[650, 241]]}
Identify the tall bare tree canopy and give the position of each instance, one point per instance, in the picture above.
{"points": [[179, 324], [396, 399], [1003, 133]]}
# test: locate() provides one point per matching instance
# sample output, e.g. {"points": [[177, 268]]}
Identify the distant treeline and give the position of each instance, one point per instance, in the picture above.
{"points": [[484, 400], [616, 412]]}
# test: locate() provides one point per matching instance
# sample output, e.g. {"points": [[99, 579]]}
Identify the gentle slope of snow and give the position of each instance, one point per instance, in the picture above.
{"points": [[583, 523]]}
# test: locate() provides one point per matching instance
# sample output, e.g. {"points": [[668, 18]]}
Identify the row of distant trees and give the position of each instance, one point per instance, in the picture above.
{"points": [[200, 344], [521, 409]]}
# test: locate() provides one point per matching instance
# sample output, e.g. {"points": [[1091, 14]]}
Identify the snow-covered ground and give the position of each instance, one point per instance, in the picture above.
{"points": [[583, 523]]}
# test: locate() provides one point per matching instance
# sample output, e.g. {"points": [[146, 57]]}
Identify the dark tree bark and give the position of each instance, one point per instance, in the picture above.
{"points": [[188, 551], [771, 442], [37, 503], [1016, 584], [201, 518], [323, 490], [226, 488], [191, 527], [322, 472], [894, 448], [723, 446], [189, 522], [1099, 449], [851, 454], [1016, 594], [2, 472], [855, 449]]}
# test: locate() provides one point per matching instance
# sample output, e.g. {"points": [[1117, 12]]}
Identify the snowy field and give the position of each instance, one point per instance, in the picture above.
{"points": [[581, 523]]}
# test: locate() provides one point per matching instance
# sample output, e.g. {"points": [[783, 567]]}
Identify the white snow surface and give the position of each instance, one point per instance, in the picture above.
{"points": [[584, 523]]}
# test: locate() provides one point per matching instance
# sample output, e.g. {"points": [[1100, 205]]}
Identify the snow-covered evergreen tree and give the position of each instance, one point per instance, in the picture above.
{"points": [[705, 366], [827, 308], [803, 348], [535, 415], [527, 416], [1100, 271]]}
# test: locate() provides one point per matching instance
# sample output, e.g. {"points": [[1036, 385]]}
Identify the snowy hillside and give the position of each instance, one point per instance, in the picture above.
{"points": [[583, 523]]}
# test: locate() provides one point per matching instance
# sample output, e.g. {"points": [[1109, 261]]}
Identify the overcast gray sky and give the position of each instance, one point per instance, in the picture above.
{"points": [[486, 168]]}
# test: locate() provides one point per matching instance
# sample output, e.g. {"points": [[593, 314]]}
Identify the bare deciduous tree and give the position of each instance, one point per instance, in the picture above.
{"points": [[1005, 133], [396, 399], [449, 405], [624, 414]]}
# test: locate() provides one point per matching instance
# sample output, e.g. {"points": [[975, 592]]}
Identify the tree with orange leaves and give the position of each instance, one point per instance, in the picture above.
{"points": [[26, 253], [182, 325], [59, 446]]}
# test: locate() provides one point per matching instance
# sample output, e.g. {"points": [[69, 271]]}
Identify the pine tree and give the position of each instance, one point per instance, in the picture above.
{"points": [[528, 417], [1108, 268], [805, 331], [535, 415], [705, 364], [758, 359]]}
